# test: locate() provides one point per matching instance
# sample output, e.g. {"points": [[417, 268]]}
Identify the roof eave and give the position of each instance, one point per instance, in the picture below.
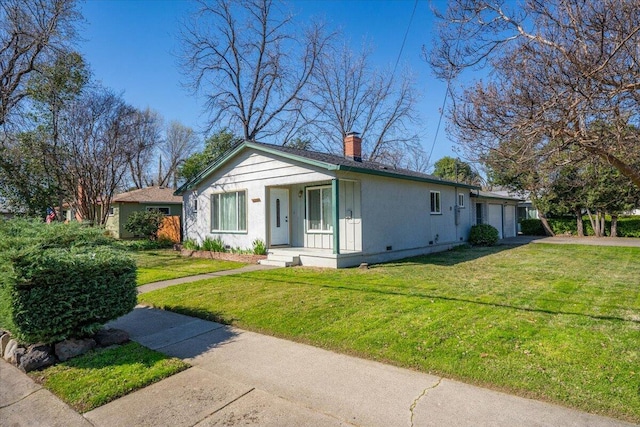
{"points": [[247, 144], [406, 177]]}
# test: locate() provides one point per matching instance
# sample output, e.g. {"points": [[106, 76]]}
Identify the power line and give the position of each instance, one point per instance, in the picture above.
{"points": [[404, 40], [446, 95]]}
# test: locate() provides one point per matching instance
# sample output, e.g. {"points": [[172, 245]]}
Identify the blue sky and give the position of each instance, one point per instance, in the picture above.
{"points": [[132, 47]]}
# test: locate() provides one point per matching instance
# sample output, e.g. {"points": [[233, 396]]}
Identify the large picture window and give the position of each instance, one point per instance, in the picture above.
{"points": [[435, 202], [229, 211], [319, 215]]}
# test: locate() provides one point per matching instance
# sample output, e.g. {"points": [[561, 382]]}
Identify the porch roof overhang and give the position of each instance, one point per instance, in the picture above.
{"points": [[324, 161], [486, 195]]}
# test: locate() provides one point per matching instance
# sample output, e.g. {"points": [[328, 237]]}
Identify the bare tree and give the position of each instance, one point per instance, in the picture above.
{"points": [[349, 95], [31, 32], [147, 138], [99, 132], [180, 142], [252, 62], [560, 69]]}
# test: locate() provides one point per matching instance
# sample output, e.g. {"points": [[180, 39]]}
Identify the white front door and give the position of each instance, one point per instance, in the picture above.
{"points": [[279, 216]]}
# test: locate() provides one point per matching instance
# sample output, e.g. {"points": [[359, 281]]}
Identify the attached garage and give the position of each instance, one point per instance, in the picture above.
{"points": [[509, 228], [494, 217], [498, 211]]}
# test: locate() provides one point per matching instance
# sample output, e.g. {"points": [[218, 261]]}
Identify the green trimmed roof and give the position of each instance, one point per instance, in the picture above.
{"points": [[326, 161]]}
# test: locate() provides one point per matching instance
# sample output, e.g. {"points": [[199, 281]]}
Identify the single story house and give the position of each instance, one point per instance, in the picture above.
{"points": [[325, 210], [145, 199], [498, 210]]}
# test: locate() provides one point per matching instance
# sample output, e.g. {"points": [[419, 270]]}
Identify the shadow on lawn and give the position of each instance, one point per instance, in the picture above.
{"points": [[487, 303], [464, 253], [457, 255]]}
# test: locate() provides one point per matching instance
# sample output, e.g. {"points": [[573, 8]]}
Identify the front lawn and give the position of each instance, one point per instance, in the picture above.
{"points": [[166, 264], [96, 378], [554, 322]]}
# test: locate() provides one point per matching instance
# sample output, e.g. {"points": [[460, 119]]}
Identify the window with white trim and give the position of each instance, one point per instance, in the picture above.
{"points": [[229, 211], [112, 211], [435, 202], [461, 200], [319, 210], [162, 209]]}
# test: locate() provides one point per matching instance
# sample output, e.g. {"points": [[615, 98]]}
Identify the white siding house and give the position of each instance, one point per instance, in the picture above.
{"points": [[324, 210]]}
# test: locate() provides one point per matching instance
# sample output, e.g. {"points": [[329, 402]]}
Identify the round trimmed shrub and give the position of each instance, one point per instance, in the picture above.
{"points": [[483, 235]]}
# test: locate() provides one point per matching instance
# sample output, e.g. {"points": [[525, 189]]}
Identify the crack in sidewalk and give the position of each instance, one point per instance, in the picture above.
{"points": [[417, 399]]}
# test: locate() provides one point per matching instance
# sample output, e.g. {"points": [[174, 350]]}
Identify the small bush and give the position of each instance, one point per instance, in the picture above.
{"points": [[532, 227], [483, 235], [259, 248], [144, 224], [191, 245], [214, 245]]}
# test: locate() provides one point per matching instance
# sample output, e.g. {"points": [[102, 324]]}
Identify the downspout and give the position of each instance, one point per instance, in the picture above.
{"points": [[335, 200]]}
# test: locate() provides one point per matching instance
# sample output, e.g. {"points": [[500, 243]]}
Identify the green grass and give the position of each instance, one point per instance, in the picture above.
{"points": [[99, 377], [166, 264], [559, 323]]}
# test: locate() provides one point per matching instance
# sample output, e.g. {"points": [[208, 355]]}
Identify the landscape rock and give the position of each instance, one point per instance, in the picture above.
{"points": [[108, 337], [72, 347], [17, 354], [4, 340], [10, 348], [37, 356]]}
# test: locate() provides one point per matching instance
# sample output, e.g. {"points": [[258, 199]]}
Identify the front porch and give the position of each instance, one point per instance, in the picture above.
{"points": [[311, 257], [314, 223]]}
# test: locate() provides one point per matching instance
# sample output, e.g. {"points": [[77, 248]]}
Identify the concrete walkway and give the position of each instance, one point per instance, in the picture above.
{"points": [[166, 283], [591, 241]]}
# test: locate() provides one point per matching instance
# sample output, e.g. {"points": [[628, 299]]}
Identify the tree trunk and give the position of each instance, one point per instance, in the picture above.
{"points": [[614, 225], [545, 224], [580, 226], [594, 225], [602, 225]]}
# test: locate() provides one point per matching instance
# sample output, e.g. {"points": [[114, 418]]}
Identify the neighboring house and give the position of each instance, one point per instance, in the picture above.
{"points": [[324, 210], [498, 210], [144, 199]]}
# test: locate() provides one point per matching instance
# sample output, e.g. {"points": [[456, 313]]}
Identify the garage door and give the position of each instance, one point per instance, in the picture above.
{"points": [[494, 217], [509, 221]]}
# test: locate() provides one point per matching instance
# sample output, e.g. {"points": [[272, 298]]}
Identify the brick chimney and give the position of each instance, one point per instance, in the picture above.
{"points": [[353, 146]]}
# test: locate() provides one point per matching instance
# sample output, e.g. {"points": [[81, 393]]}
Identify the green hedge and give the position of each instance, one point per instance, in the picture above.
{"points": [[532, 227], [483, 235], [627, 226], [59, 281]]}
